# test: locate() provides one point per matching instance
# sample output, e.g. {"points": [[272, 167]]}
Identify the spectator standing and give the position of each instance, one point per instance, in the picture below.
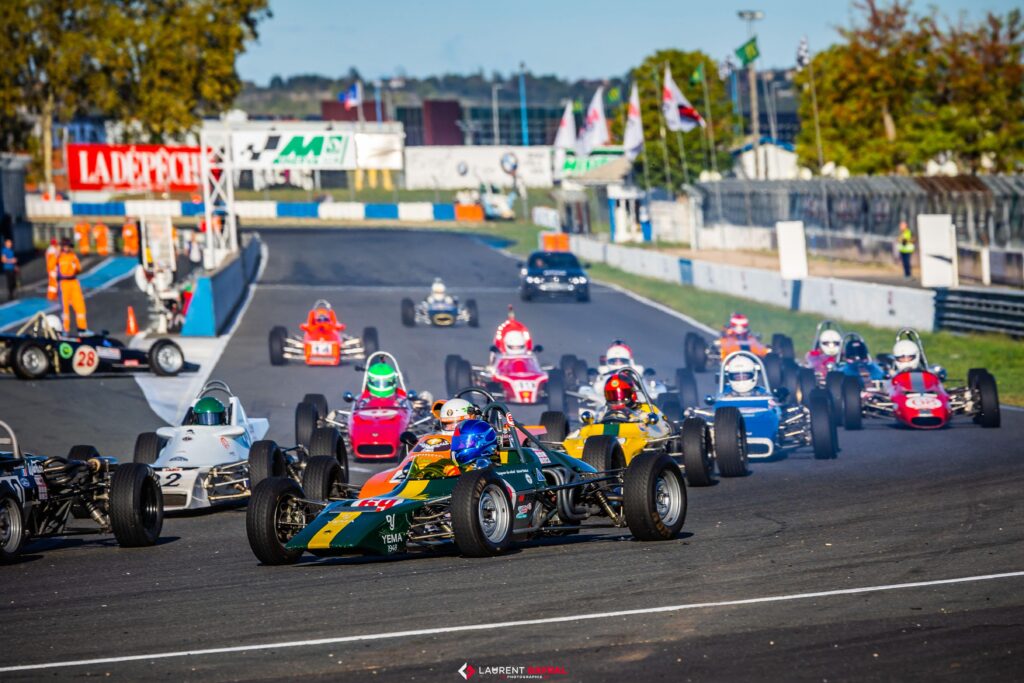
{"points": [[10, 266]]}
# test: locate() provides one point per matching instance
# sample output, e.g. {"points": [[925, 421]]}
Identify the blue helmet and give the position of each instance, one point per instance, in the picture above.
{"points": [[475, 439]]}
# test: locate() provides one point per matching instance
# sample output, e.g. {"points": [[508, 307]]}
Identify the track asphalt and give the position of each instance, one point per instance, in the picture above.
{"points": [[897, 507]]}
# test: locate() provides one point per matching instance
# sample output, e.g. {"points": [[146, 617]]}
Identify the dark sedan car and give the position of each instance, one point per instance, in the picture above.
{"points": [[553, 273]]}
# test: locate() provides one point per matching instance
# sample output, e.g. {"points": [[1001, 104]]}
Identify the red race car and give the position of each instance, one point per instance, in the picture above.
{"points": [[382, 413], [323, 340], [513, 370], [916, 397]]}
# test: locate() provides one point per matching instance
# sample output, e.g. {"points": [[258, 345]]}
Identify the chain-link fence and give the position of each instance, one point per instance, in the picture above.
{"points": [[987, 210]]}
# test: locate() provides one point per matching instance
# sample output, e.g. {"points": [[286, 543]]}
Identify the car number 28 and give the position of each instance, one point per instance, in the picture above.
{"points": [[85, 360]]}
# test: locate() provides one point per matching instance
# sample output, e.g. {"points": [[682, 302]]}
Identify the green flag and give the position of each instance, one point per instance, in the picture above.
{"points": [[748, 52], [697, 77]]}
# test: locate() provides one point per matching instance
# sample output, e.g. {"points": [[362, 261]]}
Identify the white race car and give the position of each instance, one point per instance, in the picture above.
{"points": [[218, 455]]}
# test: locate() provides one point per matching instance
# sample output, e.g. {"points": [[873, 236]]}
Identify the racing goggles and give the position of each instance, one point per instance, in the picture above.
{"points": [[906, 359], [381, 384], [741, 376], [618, 362], [830, 345]]}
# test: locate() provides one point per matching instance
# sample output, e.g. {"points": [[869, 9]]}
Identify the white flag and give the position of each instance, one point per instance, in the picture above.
{"points": [[565, 138], [679, 113], [595, 127], [633, 139]]}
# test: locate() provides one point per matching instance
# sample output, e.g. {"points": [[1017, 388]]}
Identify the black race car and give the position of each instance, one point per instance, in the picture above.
{"points": [[83, 493], [553, 273], [40, 348]]}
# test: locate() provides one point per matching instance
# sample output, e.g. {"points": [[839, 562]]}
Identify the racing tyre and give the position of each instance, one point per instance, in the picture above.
{"points": [[686, 385], [463, 375], [306, 420], [696, 352], [823, 426], [582, 372], [472, 313], [834, 387], [730, 442], [697, 461], [318, 401], [451, 362], [327, 441], [783, 345], [568, 365], [371, 343], [670, 405], [556, 427], [557, 399], [806, 382], [12, 527], [482, 514], [603, 452], [773, 369], [165, 358], [265, 460], [408, 313], [790, 380], [83, 453], [654, 497], [136, 505], [322, 478], [147, 448], [30, 360], [276, 341], [988, 397], [853, 418], [271, 503]]}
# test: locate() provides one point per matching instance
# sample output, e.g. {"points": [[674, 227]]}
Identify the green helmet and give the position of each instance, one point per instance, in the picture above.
{"points": [[381, 380], [210, 412]]}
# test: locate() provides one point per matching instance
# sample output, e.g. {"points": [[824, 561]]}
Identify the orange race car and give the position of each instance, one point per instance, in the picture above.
{"points": [[323, 340], [736, 336]]}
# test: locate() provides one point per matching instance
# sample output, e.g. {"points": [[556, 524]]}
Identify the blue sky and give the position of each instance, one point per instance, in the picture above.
{"points": [[571, 38]]}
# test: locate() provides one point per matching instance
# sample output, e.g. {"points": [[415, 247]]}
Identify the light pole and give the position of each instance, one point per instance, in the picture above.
{"points": [[495, 87], [750, 16], [522, 103]]}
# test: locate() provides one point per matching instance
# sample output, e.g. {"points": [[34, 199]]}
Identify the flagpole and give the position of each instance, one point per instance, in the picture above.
{"points": [[664, 142], [711, 137], [682, 157], [821, 159]]}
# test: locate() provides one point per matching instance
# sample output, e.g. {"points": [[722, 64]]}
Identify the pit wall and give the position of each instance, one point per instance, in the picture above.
{"points": [[848, 300], [216, 297]]}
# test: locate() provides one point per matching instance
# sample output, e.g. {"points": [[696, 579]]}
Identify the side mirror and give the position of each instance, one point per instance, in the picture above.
{"points": [[104, 333], [781, 393], [649, 372], [587, 417], [360, 368], [940, 372], [348, 397], [408, 438], [538, 348], [494, 348], [411, 395], [652, 418], [709, 400]]}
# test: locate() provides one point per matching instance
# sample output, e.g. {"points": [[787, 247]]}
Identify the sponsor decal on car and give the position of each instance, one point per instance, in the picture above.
{"points": [[108, 353], [380, 504], [65, 350], [923, 402]]}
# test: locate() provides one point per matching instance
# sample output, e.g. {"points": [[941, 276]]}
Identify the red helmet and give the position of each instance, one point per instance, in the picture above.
{"points": [[738, 324], [619, 392]]}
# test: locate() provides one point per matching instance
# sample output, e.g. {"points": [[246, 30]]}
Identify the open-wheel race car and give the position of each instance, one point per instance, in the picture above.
{"points": [[381, 413], [736, 336], [497, 484], [513, 370], [323, 340], [914, 394], [218, 453], [84, 493], [439, 309], [40, 347], [747, 405]]}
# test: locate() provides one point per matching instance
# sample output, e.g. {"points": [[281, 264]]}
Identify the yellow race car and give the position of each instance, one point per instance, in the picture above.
{"points": [[610, 438]]}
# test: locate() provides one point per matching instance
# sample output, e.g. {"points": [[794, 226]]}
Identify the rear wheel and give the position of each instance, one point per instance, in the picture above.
{"points": [[451, 363], [697, 462], [686, 384], [730, 442], [603, 452], [853, 418], [556, 427], [463, 376], [783, 345], [806, 382], [322, 478], [988, 397], [834, 387], [556, 391], [12, 527], [567, 363], [165, 358], [276, 341], [327, 441], [773, 369], [272, 518], [481, 514], [147, 448], [136, 505], [790, 382], [306, 420], [408, 313], [823, 426], [318, 401], [696, 351], [30, 360], [472, 313], [371, 343], [266, 460], [654, 497]]}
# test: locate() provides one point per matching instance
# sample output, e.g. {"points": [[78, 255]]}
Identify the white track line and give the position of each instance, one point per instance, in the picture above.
{"points": [[444, 630]]}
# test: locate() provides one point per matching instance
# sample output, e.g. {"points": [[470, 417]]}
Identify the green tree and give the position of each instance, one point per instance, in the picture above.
{"points": [[649, 76]]}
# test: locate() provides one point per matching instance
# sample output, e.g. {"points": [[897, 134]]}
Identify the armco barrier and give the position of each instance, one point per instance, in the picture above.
{"points": [[866, 302], [215, 297]]}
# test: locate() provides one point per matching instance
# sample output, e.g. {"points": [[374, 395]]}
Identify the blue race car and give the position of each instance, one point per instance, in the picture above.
{"points": [[439, 309], [747, 414]]}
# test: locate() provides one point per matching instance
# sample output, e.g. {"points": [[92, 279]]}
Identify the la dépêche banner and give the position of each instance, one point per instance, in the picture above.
{"points": [[140, 168]]}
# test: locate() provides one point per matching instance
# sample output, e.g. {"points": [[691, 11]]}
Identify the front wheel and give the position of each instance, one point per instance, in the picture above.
{"points": [[556, 427], [481, 514], [988, 398], [328, 441], [696, 352], [30, 360], [823, 426], [472, 313], [853, 417], [12, 527], [557, 399], [307, 417], [654, 497], [272, 518], [276, 342], [136, 505], [371, 342], [730, 442], [697, 462], [147, 448], [165, 358], [408, 313], [266, 460], [318, 401], [322, 479]]}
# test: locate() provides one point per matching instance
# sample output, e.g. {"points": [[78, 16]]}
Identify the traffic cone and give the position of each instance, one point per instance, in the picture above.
{"points": [[132, 328]]}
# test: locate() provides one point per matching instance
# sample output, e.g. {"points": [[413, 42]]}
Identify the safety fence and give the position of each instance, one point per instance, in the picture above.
{"points": [[970, 309]]}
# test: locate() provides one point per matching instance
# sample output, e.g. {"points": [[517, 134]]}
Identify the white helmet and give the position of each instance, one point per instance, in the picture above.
{"points": [[830, 341], [906, 355], [437, 289], [741, 374], [515, 342], [618, 355], [453, 412]]}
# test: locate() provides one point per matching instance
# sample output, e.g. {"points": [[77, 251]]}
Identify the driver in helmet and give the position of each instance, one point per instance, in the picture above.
{"points": [[617, 357], [474, 444], [512, 337], [620, 398], [906, 356], [455, 411], [856, 350], [741, 377], [209, 412], [827, 348], [739, 326], [438, 293], [382, 381]]}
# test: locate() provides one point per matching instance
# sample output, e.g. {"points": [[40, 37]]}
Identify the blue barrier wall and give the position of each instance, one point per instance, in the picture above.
{"points": [[383, 211], [444, 212], [105, 209], [298, 210], [192, 209], [216, 297]]}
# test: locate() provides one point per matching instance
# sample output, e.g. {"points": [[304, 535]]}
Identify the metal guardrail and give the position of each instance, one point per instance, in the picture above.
{"points": [[969, 309]]}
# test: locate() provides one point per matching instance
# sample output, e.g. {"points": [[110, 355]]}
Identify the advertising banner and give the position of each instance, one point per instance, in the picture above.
{"points": [[461, 167], [322, 150], [133, 168]]}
